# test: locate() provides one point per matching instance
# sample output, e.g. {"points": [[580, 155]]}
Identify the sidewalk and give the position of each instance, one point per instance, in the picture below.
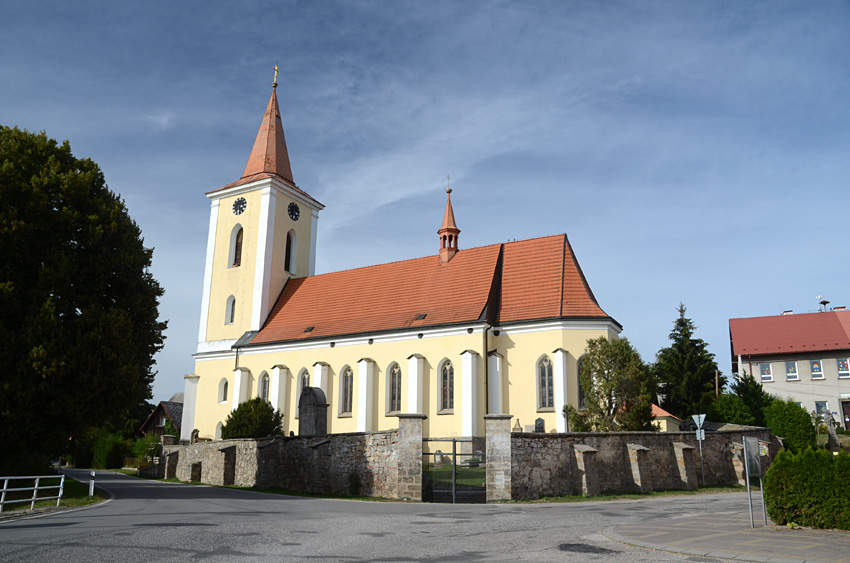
{"points": [[729, 536]]}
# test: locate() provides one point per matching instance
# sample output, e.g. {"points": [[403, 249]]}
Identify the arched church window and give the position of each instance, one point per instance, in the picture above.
{"points": [[230, 311], [218, 428], [264, 386], [346, 391], [222, 391], [291, 252], [447, 387], [395, 389], [235, 258], [302, 382], [545, 384]]}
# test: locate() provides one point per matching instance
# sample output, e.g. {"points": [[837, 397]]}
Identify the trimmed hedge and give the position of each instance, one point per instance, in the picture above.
{"points": [[792, 423], [811, 489]]}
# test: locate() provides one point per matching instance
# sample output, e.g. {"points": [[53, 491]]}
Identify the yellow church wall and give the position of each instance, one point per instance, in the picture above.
{"points": [[521, 353], [236, 281], [302, 229]]}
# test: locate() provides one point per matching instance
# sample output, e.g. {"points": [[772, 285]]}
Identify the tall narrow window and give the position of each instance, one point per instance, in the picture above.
{"points": [[581, 394], [447, 387], [264, 386], [302, 382], [395, 389], [237, 250], [222, 391], [291, 252], [347, 389], [545, 385], [230, 311]]}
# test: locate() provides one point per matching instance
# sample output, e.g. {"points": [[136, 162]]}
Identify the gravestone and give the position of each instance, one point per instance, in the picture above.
{"points": [[539, 425], [312, 412]]}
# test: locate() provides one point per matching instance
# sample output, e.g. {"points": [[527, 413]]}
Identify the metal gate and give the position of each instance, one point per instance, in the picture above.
{"points": [[453, 471]]}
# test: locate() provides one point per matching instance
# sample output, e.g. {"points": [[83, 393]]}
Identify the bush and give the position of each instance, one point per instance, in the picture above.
{"points": [[732, 409], [109, 451], [147, 447], [811, 488], [252, 419], [792, 423]]}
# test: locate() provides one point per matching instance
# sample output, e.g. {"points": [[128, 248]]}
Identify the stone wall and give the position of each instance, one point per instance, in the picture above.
{"points": [[222, 462], [384, 464], [590, 464]]}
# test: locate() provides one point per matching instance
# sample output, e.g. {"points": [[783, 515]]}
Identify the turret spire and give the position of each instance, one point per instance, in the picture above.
{"points": [[448, 232], [269, 153]]}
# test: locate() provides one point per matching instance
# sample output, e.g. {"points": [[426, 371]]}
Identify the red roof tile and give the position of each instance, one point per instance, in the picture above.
{"points": [[783, 334], [540, 280]]}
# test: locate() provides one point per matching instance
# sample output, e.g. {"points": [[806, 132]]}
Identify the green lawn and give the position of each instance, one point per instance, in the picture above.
{"points": [[466, 476]]}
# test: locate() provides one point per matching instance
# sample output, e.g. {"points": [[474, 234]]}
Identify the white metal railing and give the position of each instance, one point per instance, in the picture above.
{"points": [[37, 487]]}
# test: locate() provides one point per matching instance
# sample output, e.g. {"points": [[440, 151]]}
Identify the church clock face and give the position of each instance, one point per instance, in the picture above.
{"points": [[294, 212], [239, 206]]}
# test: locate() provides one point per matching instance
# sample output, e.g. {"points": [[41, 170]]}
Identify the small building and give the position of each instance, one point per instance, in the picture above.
{"points": [[166, 410], [803, 356], [664, 421]]}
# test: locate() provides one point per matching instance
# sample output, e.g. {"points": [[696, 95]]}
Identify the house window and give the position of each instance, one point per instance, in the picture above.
{"points": [[230, 311], [447, 387], [821, 409], [395, 389], [264, 386], [791, 371], [843, 370], [222, 391], [347, 390], [766, 374], [817, 369], [545, 386]]}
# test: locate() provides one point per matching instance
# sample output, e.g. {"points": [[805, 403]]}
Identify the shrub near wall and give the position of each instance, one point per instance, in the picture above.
{"points": [[811, 488]]}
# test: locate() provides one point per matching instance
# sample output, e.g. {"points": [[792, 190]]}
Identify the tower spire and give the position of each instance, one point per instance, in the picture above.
{"points": [[269, 154], [448, 232]]}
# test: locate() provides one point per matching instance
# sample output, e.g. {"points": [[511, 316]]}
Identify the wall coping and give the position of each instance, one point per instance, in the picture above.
{"points": [[498, 416], [408, 415]]}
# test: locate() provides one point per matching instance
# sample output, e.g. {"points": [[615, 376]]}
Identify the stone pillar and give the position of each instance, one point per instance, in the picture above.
{"points": [[241, 383], [279, 386], [190, 397], [497, 429], [415, 383], [365, 384], [494, 383], [685, 465], [639, 460], [587, 475], [559, 374], [410, 456], [469, 394], [171, 461]]}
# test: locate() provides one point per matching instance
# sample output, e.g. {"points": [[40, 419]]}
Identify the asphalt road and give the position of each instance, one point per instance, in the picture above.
{"points": [[152, 521]]}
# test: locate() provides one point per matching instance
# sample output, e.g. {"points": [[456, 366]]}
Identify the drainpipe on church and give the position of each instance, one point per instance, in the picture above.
{"points": [[486, 357]]}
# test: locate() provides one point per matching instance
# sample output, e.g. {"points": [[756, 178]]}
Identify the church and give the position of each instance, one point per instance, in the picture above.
{"points": [[457, 335]]}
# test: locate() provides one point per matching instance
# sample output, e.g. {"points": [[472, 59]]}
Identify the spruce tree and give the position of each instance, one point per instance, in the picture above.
{"points": [[685, 371], [753, 395]]}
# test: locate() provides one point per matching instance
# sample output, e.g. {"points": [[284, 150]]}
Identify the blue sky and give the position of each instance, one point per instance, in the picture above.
{"points": [[692, 151]]}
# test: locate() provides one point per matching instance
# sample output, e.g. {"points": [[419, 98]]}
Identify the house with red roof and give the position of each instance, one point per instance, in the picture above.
{"points": [[803, 356], [454, 336]]}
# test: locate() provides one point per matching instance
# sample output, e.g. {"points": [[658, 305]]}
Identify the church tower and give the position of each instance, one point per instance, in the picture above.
{"points": [[448, 232], [262, 232]]}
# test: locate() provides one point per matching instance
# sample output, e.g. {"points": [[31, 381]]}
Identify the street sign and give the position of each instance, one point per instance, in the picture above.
{"points": [[699, 419], [701, 434]]}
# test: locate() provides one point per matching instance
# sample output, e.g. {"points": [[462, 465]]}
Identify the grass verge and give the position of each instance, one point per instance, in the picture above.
{"points": [[76, 494]]}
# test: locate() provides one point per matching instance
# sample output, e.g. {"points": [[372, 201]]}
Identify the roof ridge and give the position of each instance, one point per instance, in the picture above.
{"points": [[437, 256]]}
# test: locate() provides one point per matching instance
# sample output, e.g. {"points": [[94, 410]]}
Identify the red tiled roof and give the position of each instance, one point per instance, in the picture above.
{"points": [[540, 279], [783, 334], [659, 412]]}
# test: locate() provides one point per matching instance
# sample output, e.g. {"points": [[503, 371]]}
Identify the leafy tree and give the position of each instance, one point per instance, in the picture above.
{"points": [[792, 423], [685, 371], [754, 396], [731, 408], [146, 447], [617, 389], [78, 305], [252, 419]]}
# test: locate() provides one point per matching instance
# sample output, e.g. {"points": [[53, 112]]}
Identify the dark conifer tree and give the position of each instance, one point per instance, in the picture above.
{"points": [[685, 371]]}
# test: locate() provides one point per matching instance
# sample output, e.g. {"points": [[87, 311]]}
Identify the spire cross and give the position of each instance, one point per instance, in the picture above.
{"points": [[275, 76]]}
